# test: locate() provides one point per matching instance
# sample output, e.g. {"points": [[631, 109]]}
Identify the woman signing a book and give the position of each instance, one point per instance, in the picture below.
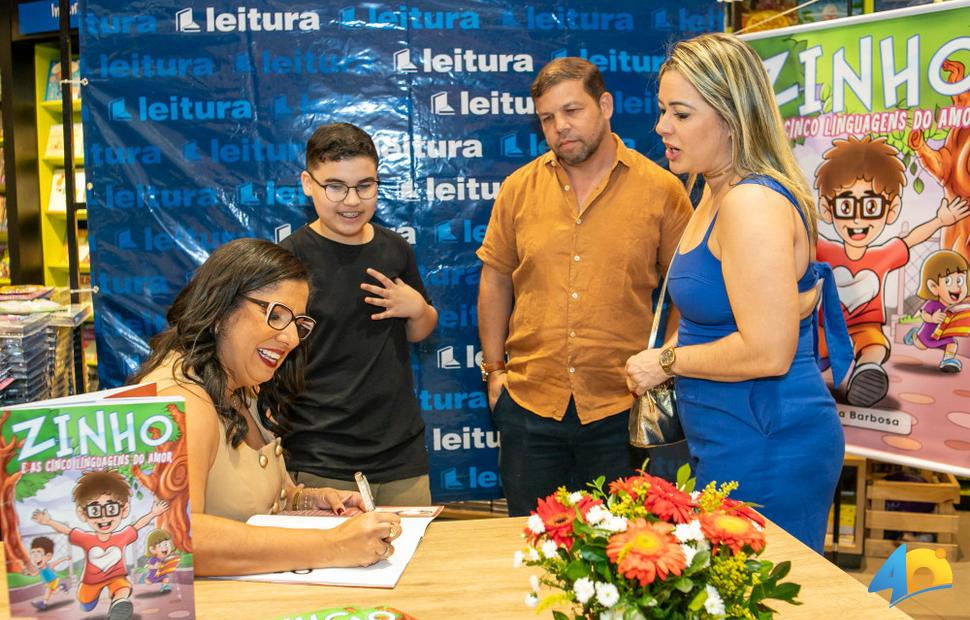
{"points": [[232, 350]]}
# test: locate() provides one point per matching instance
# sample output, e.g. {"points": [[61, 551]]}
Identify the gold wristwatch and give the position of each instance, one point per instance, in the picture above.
{"points": [[490, 367], [667, 358]]}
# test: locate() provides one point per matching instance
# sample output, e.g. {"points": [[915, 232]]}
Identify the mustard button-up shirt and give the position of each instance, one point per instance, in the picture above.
{"points": [[583, 278]]}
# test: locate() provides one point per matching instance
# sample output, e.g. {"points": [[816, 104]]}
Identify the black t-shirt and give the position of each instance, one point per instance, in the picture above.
{"points": [[358, 411]]}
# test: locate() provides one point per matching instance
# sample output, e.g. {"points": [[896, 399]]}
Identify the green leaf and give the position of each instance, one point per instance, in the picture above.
{"points": [[576, 570], [698, 601], [684, 584], [558, 615], [918, 185], [912, 168], [906, 159], [593, 554], [689, 488], [683, 475], [785, 591], [782, 569]]}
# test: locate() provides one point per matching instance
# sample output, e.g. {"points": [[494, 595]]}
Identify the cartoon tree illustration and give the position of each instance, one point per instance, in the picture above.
{"points": [[950, 164], [170, 482], [17, 555]]}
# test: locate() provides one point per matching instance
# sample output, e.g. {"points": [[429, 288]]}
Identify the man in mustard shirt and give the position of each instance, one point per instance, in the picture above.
{"points": [[576, 244]]}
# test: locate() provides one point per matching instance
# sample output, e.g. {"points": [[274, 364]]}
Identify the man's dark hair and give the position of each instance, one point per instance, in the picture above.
{"points": [[43, 543], [565, 69], [339, 141]]}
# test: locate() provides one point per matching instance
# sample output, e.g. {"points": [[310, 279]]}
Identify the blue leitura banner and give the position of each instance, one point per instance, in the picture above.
{"points": [[196, 117]]}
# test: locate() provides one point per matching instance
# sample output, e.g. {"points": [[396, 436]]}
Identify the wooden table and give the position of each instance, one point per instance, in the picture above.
{"points": [[463, 569]]}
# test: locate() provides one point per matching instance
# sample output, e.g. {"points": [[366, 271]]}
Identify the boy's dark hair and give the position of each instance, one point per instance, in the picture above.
{"points": [[43, 543], [339, 141], [565, 69], [93, 484]]}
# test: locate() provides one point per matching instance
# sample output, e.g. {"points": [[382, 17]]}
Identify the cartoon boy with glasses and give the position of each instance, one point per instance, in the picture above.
{"points": [[102, 500], [860, 184]]}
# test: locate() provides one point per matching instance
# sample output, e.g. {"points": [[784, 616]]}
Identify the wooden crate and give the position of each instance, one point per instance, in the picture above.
{"points": [[940, 490], [853, 468]]}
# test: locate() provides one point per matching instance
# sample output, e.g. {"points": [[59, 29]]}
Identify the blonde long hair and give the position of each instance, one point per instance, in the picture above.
{"points": [[731, 78]]}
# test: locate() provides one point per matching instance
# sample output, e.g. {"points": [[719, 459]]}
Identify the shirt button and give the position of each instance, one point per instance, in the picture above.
{"points": [[579, 220], [571, 369], [263, 461], [572, 334], [575, 295], [576, 258], [566, 187]]}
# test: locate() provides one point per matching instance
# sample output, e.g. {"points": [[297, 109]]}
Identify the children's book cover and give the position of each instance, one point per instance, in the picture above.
{"points": [[94, 504]]}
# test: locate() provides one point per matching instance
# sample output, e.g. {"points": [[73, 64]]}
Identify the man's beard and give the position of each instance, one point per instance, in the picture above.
{"points": [[583, 152]]}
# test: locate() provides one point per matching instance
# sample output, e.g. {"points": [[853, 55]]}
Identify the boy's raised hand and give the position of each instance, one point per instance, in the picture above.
{"points": [[952, 212], [396, 297]]}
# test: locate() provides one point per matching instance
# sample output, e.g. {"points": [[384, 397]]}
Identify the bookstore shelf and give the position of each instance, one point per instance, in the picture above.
{"points": [[51, 174]]}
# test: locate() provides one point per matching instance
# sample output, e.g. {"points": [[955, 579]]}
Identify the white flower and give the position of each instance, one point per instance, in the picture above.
{"points": [[615, 524], [534, 582], [714, 604], [611, 615], [694, 495], [575, 497], [597, 514], [584, 589], [531, 600], [533, 555], [689, 553], [549, 548], [517, 559], [536, 525], [606, 594], [689, 531]]}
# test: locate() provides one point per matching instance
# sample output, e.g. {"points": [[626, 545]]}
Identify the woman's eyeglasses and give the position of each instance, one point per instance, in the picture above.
{"points": [[279, 317]]}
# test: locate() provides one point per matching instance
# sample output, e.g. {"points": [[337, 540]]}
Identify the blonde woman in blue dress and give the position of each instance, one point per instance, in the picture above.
{"points": [[752, 399]]}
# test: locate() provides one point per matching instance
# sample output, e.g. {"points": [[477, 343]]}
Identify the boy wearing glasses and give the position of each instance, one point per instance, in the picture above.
{"points": [[860, 184], [102, 503], [358, 411]]}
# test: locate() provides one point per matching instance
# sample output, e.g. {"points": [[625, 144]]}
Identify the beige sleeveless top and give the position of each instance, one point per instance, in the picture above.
{"points": [[242, 481]]}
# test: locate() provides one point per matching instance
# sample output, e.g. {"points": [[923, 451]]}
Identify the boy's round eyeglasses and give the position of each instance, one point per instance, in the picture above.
{"points": [[337, 191], [279, 317]]}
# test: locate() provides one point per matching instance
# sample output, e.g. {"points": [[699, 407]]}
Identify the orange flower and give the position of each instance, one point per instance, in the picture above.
{"points": [[557, 519], [668, 502], [646, 551], [723, 528], [733, 506], [626, 485]]}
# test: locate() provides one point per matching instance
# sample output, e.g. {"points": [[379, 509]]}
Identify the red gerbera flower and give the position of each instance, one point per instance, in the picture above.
{"points": [[668, 502], [557, 519], [733, 506], [723, 528], [646, 551]]}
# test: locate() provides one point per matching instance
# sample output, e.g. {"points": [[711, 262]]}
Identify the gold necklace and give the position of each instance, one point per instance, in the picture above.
{"points": [[714, 175]]}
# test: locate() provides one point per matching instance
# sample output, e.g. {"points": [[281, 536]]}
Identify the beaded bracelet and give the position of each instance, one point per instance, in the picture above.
{"points": [[306, 501]]}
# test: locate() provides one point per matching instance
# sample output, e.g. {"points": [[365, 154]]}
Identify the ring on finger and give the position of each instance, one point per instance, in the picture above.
{"points": [[392, 532], [387, 551]]}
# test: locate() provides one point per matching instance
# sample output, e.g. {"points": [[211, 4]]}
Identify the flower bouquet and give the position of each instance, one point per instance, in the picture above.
{"points": [[649, 549]]}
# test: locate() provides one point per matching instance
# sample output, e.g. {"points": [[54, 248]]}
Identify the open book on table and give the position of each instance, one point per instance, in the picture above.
{"points": [[383, 574]]}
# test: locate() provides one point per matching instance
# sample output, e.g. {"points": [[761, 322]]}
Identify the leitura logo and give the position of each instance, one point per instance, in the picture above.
{"points": [[910, 573]]}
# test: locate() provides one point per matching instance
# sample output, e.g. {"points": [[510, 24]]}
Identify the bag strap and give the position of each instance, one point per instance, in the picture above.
{"points": [[660, 300]]}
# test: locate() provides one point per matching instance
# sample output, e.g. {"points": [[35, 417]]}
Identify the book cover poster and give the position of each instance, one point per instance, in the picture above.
{"points": [[94, 507], [878, 111]]}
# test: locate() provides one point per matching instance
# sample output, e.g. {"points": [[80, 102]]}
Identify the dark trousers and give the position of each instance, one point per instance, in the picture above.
{"points": [[539, 455]]}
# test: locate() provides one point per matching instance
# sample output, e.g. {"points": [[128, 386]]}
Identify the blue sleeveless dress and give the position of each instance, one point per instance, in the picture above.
{"points": [[779, 437]]}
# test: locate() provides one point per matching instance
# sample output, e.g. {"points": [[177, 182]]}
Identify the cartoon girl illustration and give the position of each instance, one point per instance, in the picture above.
{"points": [[163, 559], [943, 283]]}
